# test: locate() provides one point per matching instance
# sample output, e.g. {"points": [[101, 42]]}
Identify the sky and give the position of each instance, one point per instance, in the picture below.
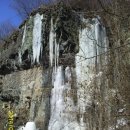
{"points": [[7, 14]]}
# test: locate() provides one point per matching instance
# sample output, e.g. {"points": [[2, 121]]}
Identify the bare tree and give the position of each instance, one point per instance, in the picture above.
{"points": [[25, 7], [6, 29]]}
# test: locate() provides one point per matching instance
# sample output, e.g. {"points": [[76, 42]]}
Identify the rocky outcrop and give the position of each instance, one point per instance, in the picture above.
{"points": [[61, 72], [18, 54], [28, 92]]}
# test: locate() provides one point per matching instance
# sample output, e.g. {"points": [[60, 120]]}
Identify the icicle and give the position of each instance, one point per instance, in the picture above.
{"points": [[55, 55], [24, 34], [19, 57], [51, 42], [97, 32], [100, 38], [20, 49], [54, 47], [37, 37]]}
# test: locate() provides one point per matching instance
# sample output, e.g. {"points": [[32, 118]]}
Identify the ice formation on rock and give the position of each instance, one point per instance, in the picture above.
{"points": [[56, 54], [53, 46], [20, 56], [61, 116], [90, 41], [62, 106], [51, 42], [37, 37], [100, 37], [24, 34], [30, 126], [23, 40]]}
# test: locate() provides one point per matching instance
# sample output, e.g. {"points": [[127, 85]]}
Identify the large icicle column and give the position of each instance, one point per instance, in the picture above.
{"points": [[62, 78], [23, 41], [65, 114], [61, 105], [91, 39], [53, 46], [37, 37]]}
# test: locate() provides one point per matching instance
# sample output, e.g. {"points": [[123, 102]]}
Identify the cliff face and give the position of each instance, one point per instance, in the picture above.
{"points": [[61, 72], [27, 95]]}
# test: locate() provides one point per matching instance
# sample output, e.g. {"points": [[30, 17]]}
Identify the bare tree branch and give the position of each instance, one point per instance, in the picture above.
{"points": [[6, 29]]}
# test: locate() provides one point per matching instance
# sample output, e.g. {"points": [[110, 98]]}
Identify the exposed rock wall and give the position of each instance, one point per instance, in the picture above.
{"points": [[29, 93], [62, 73]]}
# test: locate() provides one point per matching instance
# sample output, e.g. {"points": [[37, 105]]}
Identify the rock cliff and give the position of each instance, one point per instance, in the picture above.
{"points": [[61, 71]]}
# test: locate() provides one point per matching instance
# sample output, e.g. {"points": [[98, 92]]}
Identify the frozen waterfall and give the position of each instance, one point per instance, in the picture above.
{"points": [[65, 114], [90, 42], [53, 47], [63, 110], [62, 106], [37, 37]]}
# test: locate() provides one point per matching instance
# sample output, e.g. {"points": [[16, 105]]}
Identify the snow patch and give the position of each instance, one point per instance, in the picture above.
{"points": [[30, 126], [121, 122]]}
